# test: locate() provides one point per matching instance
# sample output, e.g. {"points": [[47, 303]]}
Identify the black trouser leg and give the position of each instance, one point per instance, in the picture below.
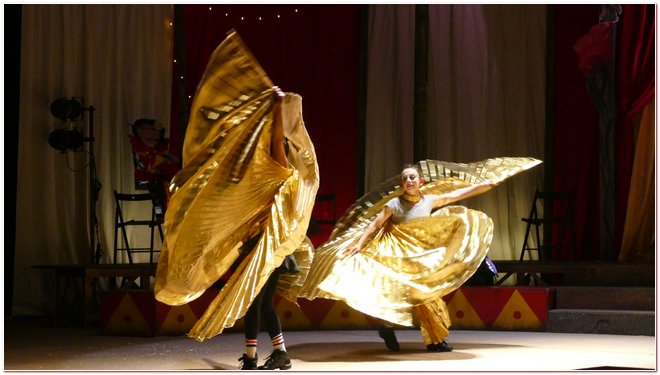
{"points": [[268, 312], [262, 306]]}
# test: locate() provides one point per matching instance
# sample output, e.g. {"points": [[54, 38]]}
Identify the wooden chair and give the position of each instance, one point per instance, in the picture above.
{"points": [[558, 209], [121, 224]]}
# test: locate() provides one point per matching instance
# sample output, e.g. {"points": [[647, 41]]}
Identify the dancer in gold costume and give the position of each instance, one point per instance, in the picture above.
{"points": [[391, 257], [239, 202]]}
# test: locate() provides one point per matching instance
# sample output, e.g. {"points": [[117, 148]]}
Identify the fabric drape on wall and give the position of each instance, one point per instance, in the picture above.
{"points": [[639, 230], [117, 58], [390, 85], [486, 98], [636, 69]]}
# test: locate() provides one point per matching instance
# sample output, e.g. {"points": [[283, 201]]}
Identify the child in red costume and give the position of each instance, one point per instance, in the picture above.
{"points": [[154, 165]]}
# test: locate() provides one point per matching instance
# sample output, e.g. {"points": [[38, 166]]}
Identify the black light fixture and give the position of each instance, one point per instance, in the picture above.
{"points": [[69, 110], [66, 110]]}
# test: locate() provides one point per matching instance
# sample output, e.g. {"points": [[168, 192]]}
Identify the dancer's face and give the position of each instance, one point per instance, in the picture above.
{"points": [[411, 181]]}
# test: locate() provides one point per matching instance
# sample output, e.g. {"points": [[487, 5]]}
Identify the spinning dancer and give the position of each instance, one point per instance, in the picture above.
{"points": [[390, 256], [240, 202]]}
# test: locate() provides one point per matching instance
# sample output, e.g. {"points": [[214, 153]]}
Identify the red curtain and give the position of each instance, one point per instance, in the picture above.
{"points": [[635, 89], [312, 50], [575, 148]]}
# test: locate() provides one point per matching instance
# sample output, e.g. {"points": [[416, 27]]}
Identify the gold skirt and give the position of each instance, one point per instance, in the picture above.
{"points": [[231, 190], [404, 265]]}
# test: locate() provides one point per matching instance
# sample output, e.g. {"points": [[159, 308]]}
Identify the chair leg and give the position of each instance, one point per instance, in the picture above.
{"points": [[539, 247], [128, 248], [115, 243], [525, 243], [151, 245]]}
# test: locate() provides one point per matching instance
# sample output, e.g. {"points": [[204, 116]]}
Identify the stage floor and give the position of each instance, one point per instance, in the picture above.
{"points": [[40, 345]]}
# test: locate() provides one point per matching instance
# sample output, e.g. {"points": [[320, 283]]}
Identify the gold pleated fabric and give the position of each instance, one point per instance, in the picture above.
{"points": [[230, 190], [401, 275]]}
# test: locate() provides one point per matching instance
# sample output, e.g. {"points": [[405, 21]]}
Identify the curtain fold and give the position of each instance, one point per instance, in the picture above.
{"points": [[116, 58], [638, 243], [390, 92], [636, 67]]}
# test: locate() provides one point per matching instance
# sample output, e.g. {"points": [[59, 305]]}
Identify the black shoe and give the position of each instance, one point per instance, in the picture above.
{"points": [[277, 360], [387, 334], [247, 363], [439, 347]]}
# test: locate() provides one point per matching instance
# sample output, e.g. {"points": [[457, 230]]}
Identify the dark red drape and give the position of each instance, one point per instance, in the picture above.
{"points": [[635, 89], [576, 143], [312, 50]]}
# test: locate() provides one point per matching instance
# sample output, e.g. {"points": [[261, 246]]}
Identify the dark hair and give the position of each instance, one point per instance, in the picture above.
{"points": [[413, 166], [146, 122]]}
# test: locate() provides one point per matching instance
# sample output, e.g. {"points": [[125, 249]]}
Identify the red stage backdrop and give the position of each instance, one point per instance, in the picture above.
{"points": [[312, 50]]}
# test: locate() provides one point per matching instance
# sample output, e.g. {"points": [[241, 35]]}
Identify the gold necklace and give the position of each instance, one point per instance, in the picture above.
{"points": [[412, 199]]}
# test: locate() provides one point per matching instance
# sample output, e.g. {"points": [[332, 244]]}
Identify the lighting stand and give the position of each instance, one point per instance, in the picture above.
{"points": [[94, 190]]}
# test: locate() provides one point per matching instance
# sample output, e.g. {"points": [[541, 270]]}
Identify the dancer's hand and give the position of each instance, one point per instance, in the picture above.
{"points": [[279, 94], [278, 98], [277, 150], [352, 250]]}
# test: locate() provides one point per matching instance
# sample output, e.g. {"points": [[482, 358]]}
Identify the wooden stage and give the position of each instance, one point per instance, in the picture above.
{"points": [[524, 272]]}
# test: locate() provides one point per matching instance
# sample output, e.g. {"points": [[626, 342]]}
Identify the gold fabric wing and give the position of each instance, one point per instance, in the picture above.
{"points": [[413, 263], [230, 190]]}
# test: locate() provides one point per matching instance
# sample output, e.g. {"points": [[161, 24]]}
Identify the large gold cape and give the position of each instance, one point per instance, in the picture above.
{"points": [[230, 189], [402, 273]]}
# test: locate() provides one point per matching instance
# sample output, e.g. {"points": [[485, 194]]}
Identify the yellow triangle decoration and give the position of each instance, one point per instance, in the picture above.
{"points": [[342, 316], [179, 321], [462, 314], [517, 315], [291, 316], [127, 320]]}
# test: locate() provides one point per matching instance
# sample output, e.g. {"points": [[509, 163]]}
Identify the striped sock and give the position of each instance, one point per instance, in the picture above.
{"points": [[251, 348], [278, 342]]}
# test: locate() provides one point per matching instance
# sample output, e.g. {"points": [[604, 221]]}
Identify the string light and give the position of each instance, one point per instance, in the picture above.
{"points": [[277, 16]]}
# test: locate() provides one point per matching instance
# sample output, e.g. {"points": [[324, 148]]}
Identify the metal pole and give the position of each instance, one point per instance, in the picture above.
{"points": [[94, 188], [420, 124]]}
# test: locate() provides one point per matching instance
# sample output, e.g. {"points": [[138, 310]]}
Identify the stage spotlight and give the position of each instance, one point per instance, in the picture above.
{"points": [[66, 109], [63, 140], [71, 138]]}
